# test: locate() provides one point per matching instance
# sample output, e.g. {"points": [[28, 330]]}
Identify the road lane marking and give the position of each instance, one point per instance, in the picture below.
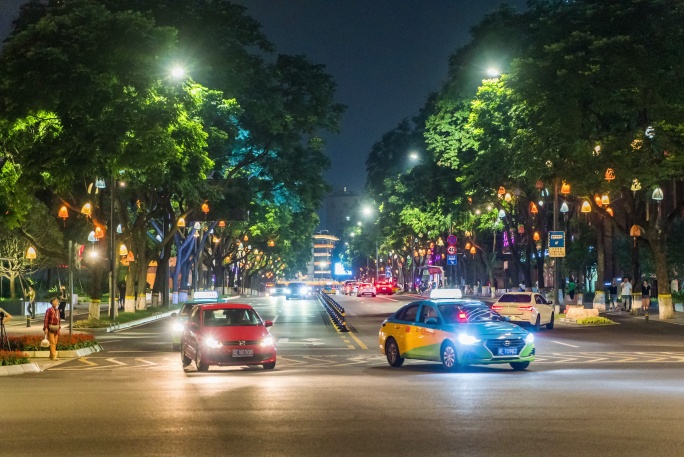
{"points": [[116, 362], [564, 344], [358, 341], [146, 361], [87, 362]]}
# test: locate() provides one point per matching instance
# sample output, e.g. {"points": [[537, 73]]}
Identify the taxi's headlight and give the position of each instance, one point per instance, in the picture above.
{"points": [[212, 343], [178, 327], [529, 338], [287, 291], [467, 339], [268, 341]]}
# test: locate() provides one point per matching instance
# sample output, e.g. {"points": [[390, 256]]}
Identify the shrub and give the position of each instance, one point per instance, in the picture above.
{"points": [[678, 297], [65, 342], [594, 320], [13, 358]]}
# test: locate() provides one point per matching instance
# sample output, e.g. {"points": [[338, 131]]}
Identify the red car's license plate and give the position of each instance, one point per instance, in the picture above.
{"points": [[243, 352]]}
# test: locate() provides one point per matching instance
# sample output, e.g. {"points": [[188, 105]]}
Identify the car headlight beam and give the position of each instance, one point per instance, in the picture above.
{"points": [[178, 327], [268, 341], [467, 340], [212, 343], [529, 338]]}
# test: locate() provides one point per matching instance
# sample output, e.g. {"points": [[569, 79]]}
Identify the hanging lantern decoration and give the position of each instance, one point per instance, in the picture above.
{"points": [[473, 250], [636, 186], [610, 211], [564, 208], [502, 214], [605, 200], [539, 185], [87, 209], [222, 224], [215, 239], [468, 245], [63, 213], [99, 233], [508, 197], [533, 208], [100, 183], [181, 222], [545, 192], [123, 250], [598, 201], [657, 194], [521, 229], [205, 208], [271, 243], [536, 236], [91, 237], [195, 234], [635, 232], [119, 229], [610, 174], [30, 253], [565, 188], [586, 207], [246, 238], [130, 257], [502, 191], [597, 150], [197, 226]]}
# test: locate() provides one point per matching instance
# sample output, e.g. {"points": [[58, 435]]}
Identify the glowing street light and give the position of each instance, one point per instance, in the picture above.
{"points": [[177, 72]]}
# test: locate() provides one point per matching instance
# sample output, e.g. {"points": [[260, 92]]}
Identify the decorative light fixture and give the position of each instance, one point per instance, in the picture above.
{"points": [[539, 184], [565, 188], [197, 226], [123, 250], [501, 192], [610, 211], [635, 232], [597, 150], [605, 200], [271, 243], [181, 222], [473, 250], [521, 229], [91, 237], [502, 214], [119, 229], [636, 185], [87, 209], [564, 208], [99, 233], [222, 224], [650, 132], [536, 236], [195, 234], [508, 197], [598, 201], [533, 208], [30, 253], [205, 208], [657, 194], [610, 174], [215, 239], [63, 213], [586, 207], [130, 257], [246, 238], [468, 245], [100, 183]]}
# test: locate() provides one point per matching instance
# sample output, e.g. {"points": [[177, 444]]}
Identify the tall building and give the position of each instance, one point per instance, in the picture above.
{"points": [[337, 207], [324, 244]]}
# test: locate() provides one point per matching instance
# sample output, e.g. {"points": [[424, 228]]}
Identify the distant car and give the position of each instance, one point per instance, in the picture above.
{"points": [[526, 308], [350, 287], [297, 290], [455, 333], [179, 319], [384, 287], [277, 290], [329, 289], [227, 334], [366, 288]]}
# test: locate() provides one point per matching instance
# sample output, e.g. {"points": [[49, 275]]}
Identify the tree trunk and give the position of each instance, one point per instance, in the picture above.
{"points": [[665, 308]]}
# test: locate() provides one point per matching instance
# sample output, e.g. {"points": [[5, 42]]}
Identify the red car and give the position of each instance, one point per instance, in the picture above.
{"points": [[227, 334], [384, 287]]}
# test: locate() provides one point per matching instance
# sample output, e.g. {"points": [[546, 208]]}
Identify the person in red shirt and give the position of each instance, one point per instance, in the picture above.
{"points": [[51, 327]]}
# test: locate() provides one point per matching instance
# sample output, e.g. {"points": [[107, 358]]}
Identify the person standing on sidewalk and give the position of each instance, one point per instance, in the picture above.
{"points": [[626, 292], [645, 296], [62, 303], [571, 288], [51, 327], [613, 295]]}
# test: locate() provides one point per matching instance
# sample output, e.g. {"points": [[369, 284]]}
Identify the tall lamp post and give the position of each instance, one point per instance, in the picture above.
{"points": [[112, 253]]}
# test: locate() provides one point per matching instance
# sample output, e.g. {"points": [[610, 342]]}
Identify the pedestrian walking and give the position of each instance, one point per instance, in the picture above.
{"points": [[626, 293], [571, 288], [613, 294], [62, 303], [51, 327], [32, 302], [645, 296]]}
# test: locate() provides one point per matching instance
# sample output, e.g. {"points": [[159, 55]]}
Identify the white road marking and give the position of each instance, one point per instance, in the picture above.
{"points": [[116, 361], [276, 318], [283, 340], [564, 344]]}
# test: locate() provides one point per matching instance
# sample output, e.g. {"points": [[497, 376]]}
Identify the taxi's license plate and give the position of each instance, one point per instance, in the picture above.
{"points": [[243, 352], [508, 351]]}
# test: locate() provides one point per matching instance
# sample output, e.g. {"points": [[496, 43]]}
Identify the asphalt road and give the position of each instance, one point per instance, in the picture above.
{"points": [[598, 391]]}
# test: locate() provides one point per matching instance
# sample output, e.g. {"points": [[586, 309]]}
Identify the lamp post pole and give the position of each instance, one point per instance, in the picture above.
{"points": [[112, 254], [377, 264], [556, 269], [71, 288]]}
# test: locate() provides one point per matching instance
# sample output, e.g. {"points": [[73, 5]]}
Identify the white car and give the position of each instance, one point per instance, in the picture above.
{"points": [[525, 308], [366, 288]]}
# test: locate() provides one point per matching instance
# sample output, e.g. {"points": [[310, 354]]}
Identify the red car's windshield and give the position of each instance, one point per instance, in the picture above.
{"points": [[230, 317]]}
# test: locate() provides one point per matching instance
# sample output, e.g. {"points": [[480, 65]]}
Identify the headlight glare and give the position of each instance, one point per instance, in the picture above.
{"points": [[288, 291], [529, 338], [467, 339], [212, 343], [268, 341], [178, 327]]}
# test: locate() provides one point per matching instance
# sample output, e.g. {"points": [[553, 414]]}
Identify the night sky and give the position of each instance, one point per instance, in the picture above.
{"points": [[385, 55]]}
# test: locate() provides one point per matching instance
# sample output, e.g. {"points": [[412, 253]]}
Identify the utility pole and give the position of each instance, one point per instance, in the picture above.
{"points": [[71, 288], [112, 254], [556, 260]]}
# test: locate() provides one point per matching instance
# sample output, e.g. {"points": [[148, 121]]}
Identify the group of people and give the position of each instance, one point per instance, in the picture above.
{"points": [[625, 289]]}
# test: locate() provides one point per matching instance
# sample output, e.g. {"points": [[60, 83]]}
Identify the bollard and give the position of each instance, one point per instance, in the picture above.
{"points": [[28, 320], [646, 316]]}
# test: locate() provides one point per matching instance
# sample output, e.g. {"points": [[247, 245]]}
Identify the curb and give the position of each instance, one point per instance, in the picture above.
{"points": [[156, 317], [65, 354], [10, 370]]}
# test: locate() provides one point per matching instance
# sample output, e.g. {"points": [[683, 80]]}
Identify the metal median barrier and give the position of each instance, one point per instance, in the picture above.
{"points": [[335, 312]]}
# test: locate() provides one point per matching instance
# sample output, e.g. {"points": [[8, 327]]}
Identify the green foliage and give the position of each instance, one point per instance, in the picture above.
{"points": [[595, 320], [65, 342]]}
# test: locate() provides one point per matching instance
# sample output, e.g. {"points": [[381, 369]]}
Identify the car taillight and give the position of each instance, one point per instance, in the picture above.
{"points": [[497, 307], [526, 308]]}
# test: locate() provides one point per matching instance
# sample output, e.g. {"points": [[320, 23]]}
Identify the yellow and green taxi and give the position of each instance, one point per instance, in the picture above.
{"points": [[454, 332], [179, 319]]}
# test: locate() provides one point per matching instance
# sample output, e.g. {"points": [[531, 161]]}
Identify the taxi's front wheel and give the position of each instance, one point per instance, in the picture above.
{"points": [[392, 352], [449, 357]]}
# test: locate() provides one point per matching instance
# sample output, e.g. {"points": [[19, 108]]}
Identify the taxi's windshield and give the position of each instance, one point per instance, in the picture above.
{"points": [[459, 313]]}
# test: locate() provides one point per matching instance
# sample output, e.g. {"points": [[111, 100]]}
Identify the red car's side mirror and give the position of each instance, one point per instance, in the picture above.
{"points": [[268, 323]]}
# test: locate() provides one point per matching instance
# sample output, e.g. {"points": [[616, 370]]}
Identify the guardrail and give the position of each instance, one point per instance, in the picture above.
{"points": [[335, 311]]}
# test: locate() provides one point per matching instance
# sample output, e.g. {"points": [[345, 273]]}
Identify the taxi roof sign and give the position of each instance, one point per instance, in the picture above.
{"points": [[205, 294], [446, 293]]}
